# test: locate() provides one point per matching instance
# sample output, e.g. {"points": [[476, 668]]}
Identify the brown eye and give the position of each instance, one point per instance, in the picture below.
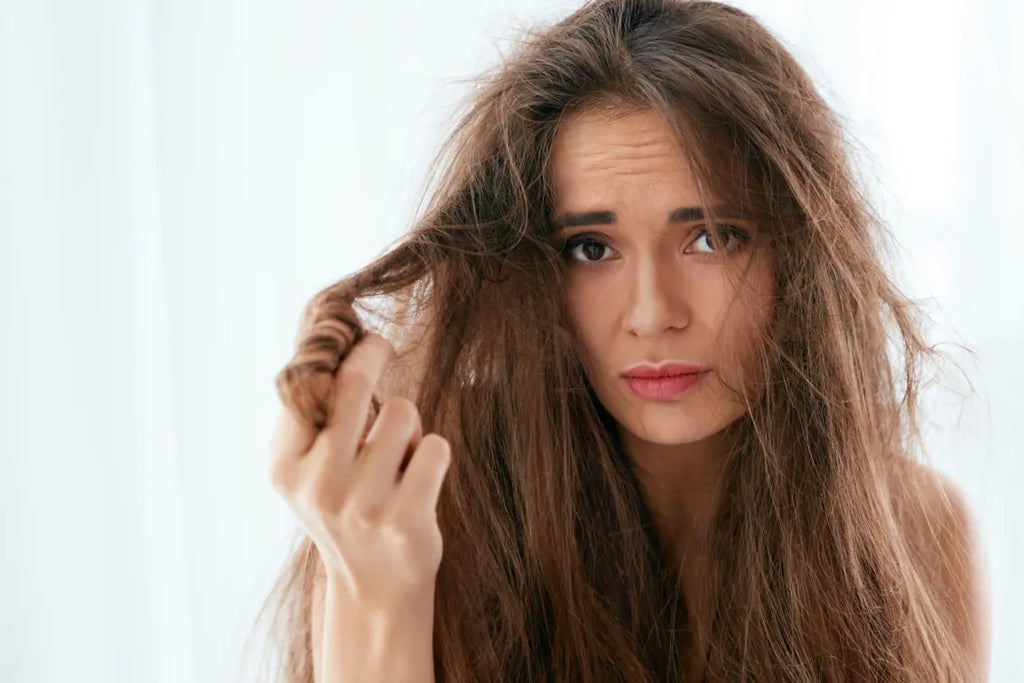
{"points": [[586, 250], [729, 235]]}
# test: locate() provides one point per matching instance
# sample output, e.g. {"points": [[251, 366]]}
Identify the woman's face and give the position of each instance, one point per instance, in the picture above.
{"points": [[646, 283]]}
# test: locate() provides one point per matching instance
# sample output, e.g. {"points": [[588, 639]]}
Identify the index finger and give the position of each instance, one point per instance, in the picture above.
{"points": [[292, 437], [354, 382]]}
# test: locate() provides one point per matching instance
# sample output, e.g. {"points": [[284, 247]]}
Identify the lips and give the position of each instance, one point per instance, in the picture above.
{"points": [[663, 381], [649, 371], [663, 387]]}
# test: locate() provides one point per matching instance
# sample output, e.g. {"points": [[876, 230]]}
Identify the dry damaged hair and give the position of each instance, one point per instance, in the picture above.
{"points": [[552, 569]]}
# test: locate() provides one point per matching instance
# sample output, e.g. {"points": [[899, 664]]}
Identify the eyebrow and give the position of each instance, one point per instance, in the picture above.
{"points": [[683, 214]]}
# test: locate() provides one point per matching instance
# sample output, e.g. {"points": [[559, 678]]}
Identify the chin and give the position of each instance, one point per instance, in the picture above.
{"points": [[671, 434], [673, 424]]}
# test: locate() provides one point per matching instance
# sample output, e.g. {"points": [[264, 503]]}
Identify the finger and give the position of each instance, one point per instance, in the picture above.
{"points": [[396, 432], [355, 380], [290, 439], [420, 487]]}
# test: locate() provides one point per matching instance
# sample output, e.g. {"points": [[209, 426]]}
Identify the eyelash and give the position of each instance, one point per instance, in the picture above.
{"points": [[595, 238]]}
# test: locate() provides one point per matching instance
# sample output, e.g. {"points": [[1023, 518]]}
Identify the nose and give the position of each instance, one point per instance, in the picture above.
{"points": [[656, 300]]}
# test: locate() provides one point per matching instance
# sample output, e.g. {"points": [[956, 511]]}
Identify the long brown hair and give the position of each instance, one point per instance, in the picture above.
{"points": [[552, 569]]}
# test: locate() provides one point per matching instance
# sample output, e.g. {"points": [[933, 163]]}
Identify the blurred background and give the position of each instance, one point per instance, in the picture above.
{"points": [[178, 178]]}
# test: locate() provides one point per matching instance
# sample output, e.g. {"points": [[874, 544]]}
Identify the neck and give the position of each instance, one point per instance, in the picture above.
{"points": [[681, 484]]}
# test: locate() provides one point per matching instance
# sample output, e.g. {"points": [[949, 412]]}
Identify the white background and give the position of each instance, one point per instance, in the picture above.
{"points": [[178, 177]]}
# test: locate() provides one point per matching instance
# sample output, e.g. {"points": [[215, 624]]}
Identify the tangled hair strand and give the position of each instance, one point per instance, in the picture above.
{"points": [[552, 569]]}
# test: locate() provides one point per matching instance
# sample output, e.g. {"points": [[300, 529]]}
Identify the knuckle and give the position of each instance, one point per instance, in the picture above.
{"points": [[399, 528], [359, 515], [436, 446], [354, 378], [437, 442], [401, 409], [409, 527], [280, 475], [320, 500], [381, 340]]}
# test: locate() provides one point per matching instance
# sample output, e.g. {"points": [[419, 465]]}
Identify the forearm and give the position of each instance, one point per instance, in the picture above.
{"points": [[377, 646]]}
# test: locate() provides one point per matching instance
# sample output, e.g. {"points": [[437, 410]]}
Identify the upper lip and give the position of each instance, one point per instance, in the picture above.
{"points": [[663, 369]]}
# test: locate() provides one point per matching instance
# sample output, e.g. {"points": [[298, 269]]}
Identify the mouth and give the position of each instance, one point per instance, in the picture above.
{"points": [[663, 386]]}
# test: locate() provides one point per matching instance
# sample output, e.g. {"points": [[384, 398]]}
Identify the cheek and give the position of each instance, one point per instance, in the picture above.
{"points": [[745, 322], [753, 289], [761, 297], [738, 312], [745, 317], [589, 303], [593, 317]]}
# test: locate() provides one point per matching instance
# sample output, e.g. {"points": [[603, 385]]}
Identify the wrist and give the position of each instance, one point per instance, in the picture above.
{"points": [[417, 606], [393, 643]]}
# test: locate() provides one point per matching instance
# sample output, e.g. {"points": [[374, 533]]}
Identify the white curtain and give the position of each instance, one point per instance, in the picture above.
{"points": [[178, 177]]}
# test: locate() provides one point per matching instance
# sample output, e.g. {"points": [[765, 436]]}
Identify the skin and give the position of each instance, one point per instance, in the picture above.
{"points": [[648, 289], [373, 521], [657, 290]]}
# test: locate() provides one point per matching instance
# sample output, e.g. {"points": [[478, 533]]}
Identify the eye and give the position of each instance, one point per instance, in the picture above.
{"points": [[730, 235], [585, 249]]}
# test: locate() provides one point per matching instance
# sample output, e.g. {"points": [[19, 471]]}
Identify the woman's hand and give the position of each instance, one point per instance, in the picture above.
{"points": [[372, 517]]}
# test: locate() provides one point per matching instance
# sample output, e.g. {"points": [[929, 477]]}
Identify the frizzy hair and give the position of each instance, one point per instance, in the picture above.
{"points": [[551, 567]]}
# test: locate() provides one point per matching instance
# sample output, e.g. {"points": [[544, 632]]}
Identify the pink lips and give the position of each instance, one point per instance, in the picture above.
{"points": [[663, 382]]}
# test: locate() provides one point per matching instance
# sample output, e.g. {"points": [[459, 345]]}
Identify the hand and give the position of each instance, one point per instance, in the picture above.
{"points": [[372, 517]]}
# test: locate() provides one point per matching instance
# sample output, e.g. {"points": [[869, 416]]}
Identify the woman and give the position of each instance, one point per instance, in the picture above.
{"points": [[649, 188]]}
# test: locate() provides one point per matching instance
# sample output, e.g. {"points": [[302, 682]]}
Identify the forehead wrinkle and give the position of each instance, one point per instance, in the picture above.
{"points": [[616, 156], [629, 150], [614, 170], [649, 157], [611, 159]]}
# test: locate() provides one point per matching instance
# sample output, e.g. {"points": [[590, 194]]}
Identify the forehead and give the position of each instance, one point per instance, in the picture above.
{"points": [[599, 153]]}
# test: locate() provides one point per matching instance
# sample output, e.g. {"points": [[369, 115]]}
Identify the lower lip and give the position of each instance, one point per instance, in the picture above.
{"points": [[663, 388]]}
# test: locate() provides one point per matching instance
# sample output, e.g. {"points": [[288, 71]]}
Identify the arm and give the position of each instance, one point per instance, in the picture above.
{"points": [[370, 508], [352, 644]]}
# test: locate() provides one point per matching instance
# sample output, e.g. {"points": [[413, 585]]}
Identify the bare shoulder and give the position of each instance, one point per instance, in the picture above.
{"points": [[942, 533]]}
